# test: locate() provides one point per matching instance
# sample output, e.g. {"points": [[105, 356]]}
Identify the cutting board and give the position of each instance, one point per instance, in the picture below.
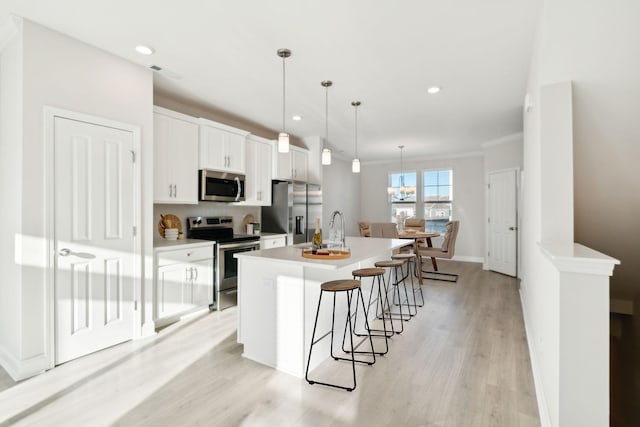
{"points": [[170, 221]]}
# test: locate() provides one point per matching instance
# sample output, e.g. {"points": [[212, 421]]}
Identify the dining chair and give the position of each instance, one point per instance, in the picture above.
{"points": [[447, 250], [384, 229], [363, 226], [416, 224]]}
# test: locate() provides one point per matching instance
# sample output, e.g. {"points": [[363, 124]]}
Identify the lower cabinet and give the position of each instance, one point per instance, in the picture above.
{"points": [[269, 242], [184, 281]]}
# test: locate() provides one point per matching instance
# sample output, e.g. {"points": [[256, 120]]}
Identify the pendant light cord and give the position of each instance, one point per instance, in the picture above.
{"points": [[283, 96], [356, 131], [326, 115]]}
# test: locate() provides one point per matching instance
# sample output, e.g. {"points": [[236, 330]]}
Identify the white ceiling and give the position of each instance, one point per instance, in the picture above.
{"points": [[380, 52]]}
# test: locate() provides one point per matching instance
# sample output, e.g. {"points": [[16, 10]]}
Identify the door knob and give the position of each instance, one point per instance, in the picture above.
{"points": [[67, 252], [64, 252], [512, 228]]}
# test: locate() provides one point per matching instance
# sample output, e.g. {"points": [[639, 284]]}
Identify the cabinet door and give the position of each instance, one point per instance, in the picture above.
{"points": [[172, 283], [212, 148], [264, 170], [235, 152], [258, 161], [163, 172], [300, 164], [282, 167], [175, 160], [202, 283]]}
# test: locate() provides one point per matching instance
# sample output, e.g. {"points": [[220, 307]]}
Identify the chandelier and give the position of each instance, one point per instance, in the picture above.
{"points": [[403, 192]]}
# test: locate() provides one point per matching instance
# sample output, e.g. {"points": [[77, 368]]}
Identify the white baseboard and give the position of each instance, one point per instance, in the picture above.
{"points": [[22, 369], [468, 258], [543, 411]]}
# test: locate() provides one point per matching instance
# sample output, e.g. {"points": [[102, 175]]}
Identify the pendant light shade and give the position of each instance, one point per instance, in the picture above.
{"points": [[404, 191], [283, 137], [326, 152], [355, 164]]}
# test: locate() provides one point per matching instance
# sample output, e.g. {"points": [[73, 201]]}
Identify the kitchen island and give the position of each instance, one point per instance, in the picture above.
{"points": [[278, 294]]}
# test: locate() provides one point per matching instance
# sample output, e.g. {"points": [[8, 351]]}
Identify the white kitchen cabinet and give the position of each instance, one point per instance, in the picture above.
{"points": [[222, 147], [291, 166], [184, 281], [259, 169], [175, 157], [275, 241]]}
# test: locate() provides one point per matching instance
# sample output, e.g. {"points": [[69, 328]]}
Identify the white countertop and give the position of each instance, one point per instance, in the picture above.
{"points": [[361, 248], [162, 244]]}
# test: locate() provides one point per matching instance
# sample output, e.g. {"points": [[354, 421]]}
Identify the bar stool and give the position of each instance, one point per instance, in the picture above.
{"points": [[335, 286], [381, 302], [410, 258], [393, 266]]}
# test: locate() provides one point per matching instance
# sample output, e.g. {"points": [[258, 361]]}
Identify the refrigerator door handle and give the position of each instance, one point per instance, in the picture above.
{"points": [[299, 223]]}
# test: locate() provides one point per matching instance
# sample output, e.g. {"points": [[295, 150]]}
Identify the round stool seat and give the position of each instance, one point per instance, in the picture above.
{"points": [[340, 285], [403, 256], [390, 263], [368, 272]]}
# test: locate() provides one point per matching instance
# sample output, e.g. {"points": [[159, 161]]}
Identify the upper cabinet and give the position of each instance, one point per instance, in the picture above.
{"points": [[175, 155], [291, 166], [222, 147], [259, 165]]}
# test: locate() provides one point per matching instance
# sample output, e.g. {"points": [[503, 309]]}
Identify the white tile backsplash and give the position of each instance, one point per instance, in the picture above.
{"points": [[206, 209]]}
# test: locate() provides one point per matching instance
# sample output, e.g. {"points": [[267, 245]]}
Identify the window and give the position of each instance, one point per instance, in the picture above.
{"points": [[437, 192], [402, 196]]}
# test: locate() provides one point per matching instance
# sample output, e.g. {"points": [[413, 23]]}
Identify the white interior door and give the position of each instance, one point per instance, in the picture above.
{"points": [[94, 237], [503, 221]]}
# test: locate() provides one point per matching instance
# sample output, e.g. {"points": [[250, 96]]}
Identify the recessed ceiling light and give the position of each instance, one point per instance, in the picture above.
{"points": [[433, 90], [297, 118], [145, 50]]}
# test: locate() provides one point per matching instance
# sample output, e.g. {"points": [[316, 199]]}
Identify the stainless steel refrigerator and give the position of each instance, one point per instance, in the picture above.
{"points": [[294, 209]]}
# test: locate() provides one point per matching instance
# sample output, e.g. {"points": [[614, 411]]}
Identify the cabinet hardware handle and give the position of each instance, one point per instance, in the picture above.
{"points": [[170, 190]]}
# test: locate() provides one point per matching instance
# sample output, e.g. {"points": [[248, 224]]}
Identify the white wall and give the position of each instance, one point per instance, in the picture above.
{"points": [[62, 72], [10, 187], [505, 153], [340, 191], [593, 45], [468, 197]]}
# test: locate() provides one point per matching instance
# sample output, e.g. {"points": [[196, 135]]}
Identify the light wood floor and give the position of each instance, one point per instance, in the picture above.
{"points": [[462, 361]]}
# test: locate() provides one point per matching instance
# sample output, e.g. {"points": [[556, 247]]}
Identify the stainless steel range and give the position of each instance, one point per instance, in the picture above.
{"points": [[220, 230]]}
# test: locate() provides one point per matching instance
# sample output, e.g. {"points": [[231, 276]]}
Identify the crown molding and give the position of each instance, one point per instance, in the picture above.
{"points": [[508, 139], [8, 30]]}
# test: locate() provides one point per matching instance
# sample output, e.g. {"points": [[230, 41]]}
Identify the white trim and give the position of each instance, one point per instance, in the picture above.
{"points": [[22, 369], [543, 411], [222, 126], [508, 139], [487, 233], [427, 158], [8, 29], [576, 258], [465, 258], [50, 113]]}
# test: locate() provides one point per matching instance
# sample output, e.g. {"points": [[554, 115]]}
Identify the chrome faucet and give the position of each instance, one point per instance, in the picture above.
{"points": [[333, 217]]}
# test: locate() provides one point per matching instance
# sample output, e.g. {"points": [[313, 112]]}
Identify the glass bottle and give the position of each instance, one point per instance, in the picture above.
{"points": [[317, 237]]}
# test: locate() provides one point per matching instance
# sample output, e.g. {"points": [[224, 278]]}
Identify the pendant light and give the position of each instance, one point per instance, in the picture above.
{"points": [[283, 137], [355, 164], [326, 152], [405, 192]]}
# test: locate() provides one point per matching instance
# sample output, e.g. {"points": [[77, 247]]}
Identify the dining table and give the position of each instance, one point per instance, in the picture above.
{"points": [[417, 236]]}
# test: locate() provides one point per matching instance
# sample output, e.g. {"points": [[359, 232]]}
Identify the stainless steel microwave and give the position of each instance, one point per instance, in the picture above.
{"points": [[215, 186]]}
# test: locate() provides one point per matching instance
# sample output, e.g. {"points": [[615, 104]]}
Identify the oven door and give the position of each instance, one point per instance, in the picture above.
{"points": [[217, 186], [227, 277]]}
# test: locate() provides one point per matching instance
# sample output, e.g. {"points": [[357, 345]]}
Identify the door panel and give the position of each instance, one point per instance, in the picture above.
{"points": [[94, 242], [503, 222]]}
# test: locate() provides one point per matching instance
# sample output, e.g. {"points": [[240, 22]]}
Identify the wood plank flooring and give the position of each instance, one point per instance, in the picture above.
{"points": [[462, 361]]}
